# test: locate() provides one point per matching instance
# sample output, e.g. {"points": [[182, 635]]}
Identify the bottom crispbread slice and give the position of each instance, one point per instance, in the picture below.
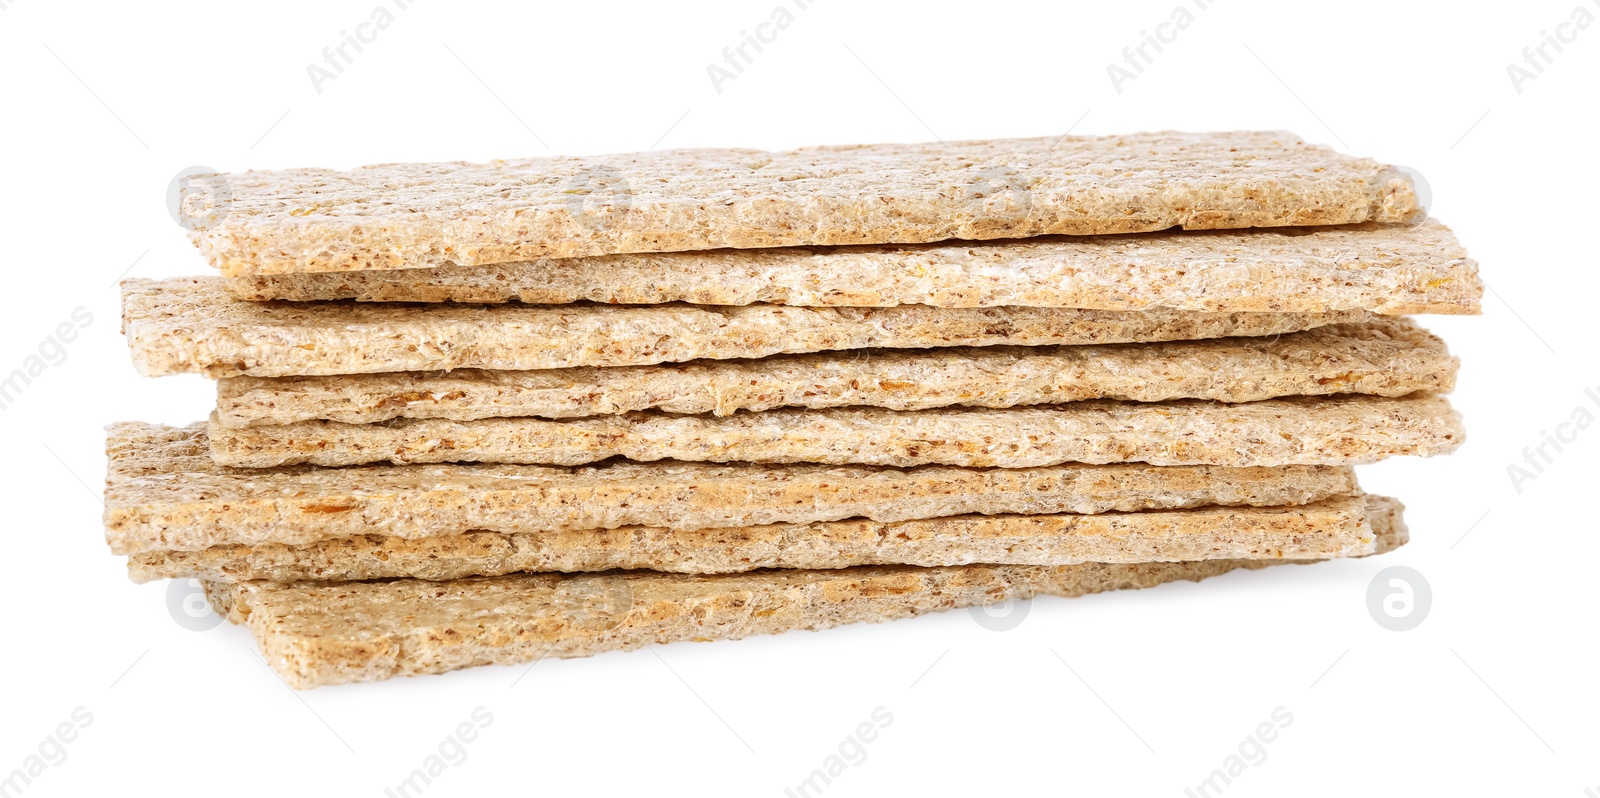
{"points": [[1293, 431], [316, 635], [1331, 528]]}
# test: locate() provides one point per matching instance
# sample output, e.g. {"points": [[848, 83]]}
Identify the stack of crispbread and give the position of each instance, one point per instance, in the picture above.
{"points": [[487, 413]]}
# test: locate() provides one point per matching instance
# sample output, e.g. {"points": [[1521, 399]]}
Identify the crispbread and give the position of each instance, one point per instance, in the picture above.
{"points": [[164, 492], [1389, 269], [192, 326], [1385, 357], [1294, 431], [316, 635], [1331, 528], [412, 215]]}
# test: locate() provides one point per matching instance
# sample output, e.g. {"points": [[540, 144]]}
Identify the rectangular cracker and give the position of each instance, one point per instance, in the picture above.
{"points": [[164, 492], [1330, 528], [321, 634], [1345, 430], [1383, 357], [400, 216], [192, 326], [1388, 269]]}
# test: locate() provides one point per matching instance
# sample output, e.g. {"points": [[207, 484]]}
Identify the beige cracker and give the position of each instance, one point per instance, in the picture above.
{"points": [[397, 216], [1385, 357], [1331, 528], [192, 326], [164, 492], [1389, 269], [1295, 431], [316, 635]]}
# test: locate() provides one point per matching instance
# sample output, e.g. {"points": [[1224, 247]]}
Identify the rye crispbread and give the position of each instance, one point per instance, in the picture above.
{"points": [[1330, 528], [1383, 357], [191, 325], [321, 634], [1388, 269], [164, 492], [397, 216], [1344, 430]]}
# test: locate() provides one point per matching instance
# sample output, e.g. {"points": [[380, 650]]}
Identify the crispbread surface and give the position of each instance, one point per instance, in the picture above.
{"points": [[1330, 528], [1388, 269], [191, 325], [1344, 430], [397, 216], [1382, 357], [164, 492], [320, 634]]}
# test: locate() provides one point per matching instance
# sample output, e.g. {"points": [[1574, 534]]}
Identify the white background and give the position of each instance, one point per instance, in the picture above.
{"points": [[1137, 693]]}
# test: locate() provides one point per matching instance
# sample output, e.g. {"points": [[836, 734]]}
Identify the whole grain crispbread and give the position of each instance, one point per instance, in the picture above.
{"points": [[321, 634], [192, 326], [164, 492], [1388, 269], [1345, 430], [1330, 528], [1383, 357], [398, 216]]}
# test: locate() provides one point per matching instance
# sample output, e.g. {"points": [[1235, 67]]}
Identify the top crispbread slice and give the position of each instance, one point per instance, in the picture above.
{"points": [[398, 216], [193, 326], [319, 634], [1389, 269]]}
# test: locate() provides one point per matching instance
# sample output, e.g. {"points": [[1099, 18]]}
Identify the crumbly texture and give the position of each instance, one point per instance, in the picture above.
{"points": [[1295, 431], [164, 492], [191, 325], [1388, 269], [1383, 357], [1332, 528], [400, 216], [321, 634]]}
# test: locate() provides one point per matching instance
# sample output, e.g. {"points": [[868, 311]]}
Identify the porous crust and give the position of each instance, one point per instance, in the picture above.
{"points": [[401, 216], [191, 325], [1382, 357], [321, 634], [1388, 269], [164, 492], [1330, 528], [1346, 430]]}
